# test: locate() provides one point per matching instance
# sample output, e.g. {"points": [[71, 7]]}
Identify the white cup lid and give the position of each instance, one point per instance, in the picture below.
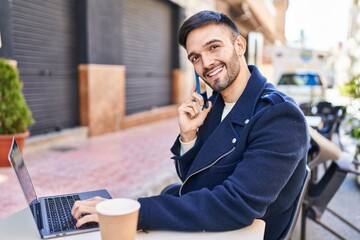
{"points": [[117, 206]]}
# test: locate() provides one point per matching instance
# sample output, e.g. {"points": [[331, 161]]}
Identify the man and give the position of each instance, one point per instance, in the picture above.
{"points": [[241, 157]]}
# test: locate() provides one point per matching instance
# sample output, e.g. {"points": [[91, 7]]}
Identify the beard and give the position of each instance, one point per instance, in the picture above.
{"points": [[233, 69]]}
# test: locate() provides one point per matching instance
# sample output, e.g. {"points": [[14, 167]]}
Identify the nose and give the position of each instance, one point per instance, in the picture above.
{"points": [[207, 61]]}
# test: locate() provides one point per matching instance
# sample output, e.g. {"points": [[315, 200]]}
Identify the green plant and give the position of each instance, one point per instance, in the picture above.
{"points": [[353, 89], [15, 115]]}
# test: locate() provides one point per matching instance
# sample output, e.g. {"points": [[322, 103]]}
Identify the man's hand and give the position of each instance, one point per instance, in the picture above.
{"points": [[84, 211], [192, 116]]}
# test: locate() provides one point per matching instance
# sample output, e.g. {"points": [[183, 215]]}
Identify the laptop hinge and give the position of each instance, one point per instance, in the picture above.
{"points": [[36, 212]]}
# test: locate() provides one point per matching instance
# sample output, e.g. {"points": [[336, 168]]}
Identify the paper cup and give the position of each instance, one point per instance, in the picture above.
{"points": [[118, 218]]}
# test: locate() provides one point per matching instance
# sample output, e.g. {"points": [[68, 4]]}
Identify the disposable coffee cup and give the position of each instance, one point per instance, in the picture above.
{"points": [[118, 218]]}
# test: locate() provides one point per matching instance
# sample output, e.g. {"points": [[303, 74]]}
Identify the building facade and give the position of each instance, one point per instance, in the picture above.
{"points": [[113, 64]]}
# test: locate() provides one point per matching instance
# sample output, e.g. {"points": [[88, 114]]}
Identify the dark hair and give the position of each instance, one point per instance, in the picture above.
{"points": [[204, 18]]}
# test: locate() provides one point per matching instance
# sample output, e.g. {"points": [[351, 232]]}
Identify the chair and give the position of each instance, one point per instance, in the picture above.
{"points": [[331, 117], [296, 212], [341, 111], [306, 108], [321, 191], [321, 150]]}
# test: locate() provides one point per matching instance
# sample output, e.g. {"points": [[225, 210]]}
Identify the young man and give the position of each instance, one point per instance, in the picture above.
{"points": [[241, 157]]}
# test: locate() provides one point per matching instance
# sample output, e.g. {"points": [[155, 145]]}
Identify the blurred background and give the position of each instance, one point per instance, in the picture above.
{"points": [[99, 76], [69, 53]]}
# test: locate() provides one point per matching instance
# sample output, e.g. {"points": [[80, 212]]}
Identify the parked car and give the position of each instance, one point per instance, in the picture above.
{"points": [[305, 87]]}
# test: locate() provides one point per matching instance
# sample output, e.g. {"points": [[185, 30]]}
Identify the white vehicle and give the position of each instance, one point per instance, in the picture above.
{"points": [[303, 86]]}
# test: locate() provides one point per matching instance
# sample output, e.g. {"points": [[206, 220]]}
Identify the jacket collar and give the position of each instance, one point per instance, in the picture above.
{"points": [[245, 105], [221, 137]]}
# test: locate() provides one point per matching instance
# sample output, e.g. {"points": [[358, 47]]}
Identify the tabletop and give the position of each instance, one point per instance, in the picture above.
{"points": [[21, 226]]}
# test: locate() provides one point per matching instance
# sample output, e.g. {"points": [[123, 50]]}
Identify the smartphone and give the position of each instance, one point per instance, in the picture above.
{"points": [[198, 90], [197, 81]]}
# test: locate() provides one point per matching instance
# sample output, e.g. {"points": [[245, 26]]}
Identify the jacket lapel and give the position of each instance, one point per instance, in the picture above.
{"points": [[217, 137]]}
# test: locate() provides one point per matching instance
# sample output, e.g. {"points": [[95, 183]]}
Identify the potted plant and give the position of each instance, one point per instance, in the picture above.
{"points": [[353, 89], [15, 115]]}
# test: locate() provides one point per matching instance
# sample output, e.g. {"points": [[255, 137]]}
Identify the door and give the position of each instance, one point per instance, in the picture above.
{"points": [[147, 53], [46, 48]]}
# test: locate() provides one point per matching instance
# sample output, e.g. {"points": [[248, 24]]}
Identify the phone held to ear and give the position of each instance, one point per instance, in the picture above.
{"points": [[198, 90], [197, 81]]}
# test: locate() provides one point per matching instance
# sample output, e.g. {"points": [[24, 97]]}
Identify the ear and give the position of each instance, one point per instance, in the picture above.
{"points": [[240, 45]]}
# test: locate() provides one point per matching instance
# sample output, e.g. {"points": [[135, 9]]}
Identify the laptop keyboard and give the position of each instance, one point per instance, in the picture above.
{"points": [[58, 210]]}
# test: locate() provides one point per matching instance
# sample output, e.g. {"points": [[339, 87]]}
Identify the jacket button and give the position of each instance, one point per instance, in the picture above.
{"points": [[233, 140], [246, 121]]}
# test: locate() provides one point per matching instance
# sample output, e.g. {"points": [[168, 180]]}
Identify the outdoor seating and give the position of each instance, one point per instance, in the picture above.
{"points": [[321, 150], [299, 202], [322, 189], [341, 112], [306, 108], [331, 118]]}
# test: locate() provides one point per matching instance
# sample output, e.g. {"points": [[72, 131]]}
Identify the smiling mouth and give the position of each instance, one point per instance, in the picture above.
{"points": [[213, 73]]}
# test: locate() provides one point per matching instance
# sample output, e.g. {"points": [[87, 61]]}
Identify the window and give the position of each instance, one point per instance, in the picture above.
{"points": [[300, 79]]}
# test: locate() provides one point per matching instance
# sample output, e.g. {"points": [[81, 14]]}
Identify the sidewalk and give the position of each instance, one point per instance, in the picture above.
{"points": [[136, 162], [130, 163]]}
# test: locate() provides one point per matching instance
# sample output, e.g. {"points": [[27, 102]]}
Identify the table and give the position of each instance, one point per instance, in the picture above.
{"points": [[21, 226]]}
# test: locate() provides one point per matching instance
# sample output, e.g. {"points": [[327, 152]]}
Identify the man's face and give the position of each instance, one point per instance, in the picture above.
{"points": [[212, 52]]}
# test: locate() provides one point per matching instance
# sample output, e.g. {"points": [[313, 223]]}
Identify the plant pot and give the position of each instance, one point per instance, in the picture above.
{"points": [[5, 144]]}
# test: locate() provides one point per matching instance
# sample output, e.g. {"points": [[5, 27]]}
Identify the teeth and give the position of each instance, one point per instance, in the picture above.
{"points": [[216, 72]]}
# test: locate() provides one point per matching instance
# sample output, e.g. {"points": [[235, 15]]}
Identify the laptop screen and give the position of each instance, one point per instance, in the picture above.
{"points": [[22, 173]]}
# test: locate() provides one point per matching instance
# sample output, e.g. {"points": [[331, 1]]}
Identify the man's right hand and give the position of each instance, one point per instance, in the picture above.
{"points": [[192, 116]]}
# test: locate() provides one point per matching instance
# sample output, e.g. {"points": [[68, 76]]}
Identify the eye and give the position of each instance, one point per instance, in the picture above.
{"points": [[194, 59], [213, 47]]}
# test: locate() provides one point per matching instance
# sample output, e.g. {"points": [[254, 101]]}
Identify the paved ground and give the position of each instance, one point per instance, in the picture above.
{"points": [[346, 202], [131, 163], [128, 163]]}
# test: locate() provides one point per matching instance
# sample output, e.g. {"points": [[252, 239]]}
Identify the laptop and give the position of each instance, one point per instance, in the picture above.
{"points": [[52, 214]]}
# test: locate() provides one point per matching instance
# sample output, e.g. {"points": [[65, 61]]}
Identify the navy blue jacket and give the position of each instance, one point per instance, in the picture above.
{"points": [[250, 165]]}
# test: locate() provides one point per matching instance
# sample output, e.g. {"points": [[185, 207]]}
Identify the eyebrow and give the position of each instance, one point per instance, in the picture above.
{"points": [[205, 44]]}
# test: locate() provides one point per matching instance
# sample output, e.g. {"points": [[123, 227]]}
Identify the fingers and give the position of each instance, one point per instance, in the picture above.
{"points": [[198, 98], [192, 114], [193, 109], [84, 211], [194, 105], [79, 204], [86, 219], [190, 107], [206, 109]]}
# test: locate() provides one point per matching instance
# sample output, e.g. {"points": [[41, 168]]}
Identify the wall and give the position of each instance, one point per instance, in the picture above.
{"points": [[190, 7], [5, 30], [103, 33], [102, 97]]}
